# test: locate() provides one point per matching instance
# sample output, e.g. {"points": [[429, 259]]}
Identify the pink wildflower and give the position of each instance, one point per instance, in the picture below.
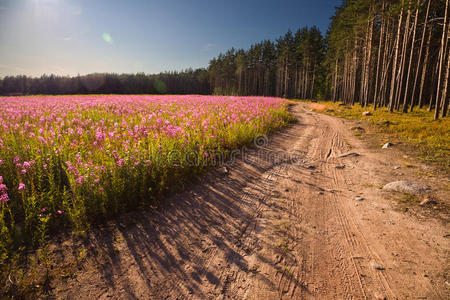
{"points": [[120, 162], [42, 139], [21, 187], [4, 198]]}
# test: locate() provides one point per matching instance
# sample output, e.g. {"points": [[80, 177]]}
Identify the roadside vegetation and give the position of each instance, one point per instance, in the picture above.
{"points": [[417, 128]]}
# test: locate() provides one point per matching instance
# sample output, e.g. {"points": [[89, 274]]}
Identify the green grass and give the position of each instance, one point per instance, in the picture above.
{"points": [[418, 128]]}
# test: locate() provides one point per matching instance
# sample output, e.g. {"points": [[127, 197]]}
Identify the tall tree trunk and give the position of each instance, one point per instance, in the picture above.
{"points": [[364, 66], [313, 81], [425, 65], [307, 80], [286, 78], [411, 55], [346, 82], [394, 65], [353, 70], [444, 101], [380, 46], [295, 81], [335, 80], [387, 58], [403, 61], [419, 63], [367, 79], [441, 61], [433, 95]]}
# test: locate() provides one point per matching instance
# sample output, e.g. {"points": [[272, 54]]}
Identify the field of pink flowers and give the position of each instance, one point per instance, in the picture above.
{"points": [[68, 161]]}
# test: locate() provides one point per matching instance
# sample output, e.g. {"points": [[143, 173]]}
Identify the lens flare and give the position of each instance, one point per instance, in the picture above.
{"points": [[107, 38]]}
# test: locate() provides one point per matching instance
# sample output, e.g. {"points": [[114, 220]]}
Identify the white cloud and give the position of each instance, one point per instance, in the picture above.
{"points": [[207, 47]]}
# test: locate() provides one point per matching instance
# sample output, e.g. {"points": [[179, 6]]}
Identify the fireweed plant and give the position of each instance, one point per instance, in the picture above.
{"points": [[71, 161]]}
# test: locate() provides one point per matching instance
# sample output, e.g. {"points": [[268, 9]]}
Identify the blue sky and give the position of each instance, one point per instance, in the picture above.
{"points": [[67, 37]]}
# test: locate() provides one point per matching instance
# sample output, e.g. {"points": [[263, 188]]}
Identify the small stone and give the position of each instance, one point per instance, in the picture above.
{"points": [[340, 167], [406, 186], [427, 200], [366, 113], [387, 145], [396, 167], [223, 170], [311, 167], [377, 266], [348, 154], [358, 198]]}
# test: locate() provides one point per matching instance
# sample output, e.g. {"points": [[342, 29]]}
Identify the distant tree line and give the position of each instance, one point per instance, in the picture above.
{"points": [[289, 67], [186, 82], [391, 53]]}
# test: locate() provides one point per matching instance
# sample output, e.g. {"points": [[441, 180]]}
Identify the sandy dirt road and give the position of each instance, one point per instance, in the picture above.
{"points": [[281, 224]]}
